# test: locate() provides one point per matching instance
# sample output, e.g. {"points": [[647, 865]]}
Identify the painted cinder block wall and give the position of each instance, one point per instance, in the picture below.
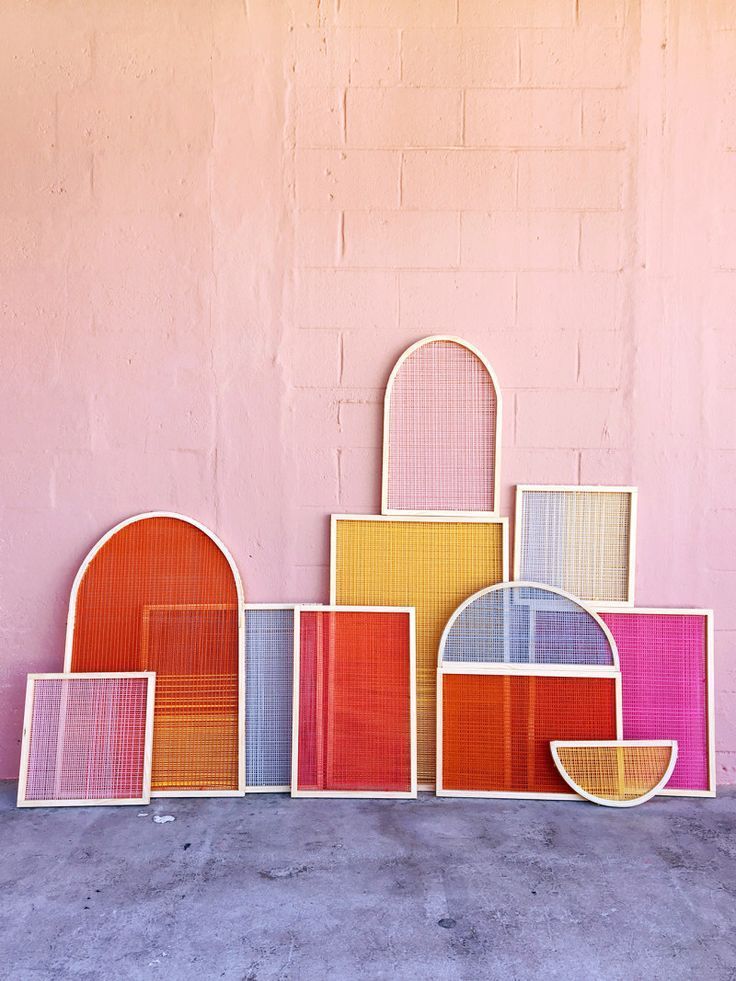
{"points": [[221, 224]]}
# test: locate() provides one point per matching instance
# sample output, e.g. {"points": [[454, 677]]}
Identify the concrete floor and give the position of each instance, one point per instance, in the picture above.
{"points": [[268, 887]]}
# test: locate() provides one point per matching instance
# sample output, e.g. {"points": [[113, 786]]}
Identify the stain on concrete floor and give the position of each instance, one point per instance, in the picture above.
{"points": [[266, 887]]}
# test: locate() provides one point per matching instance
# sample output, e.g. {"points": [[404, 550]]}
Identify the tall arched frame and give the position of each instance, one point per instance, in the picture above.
{"points": [[71, 618], [386, 509]]}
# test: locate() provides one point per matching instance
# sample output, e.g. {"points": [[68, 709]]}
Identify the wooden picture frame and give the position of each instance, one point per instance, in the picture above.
{"points": [[411, 719], [24, 800], [562, 565]]}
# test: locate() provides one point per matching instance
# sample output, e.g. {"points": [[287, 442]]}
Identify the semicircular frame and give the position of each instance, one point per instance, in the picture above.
{"points": [[557, 744]]}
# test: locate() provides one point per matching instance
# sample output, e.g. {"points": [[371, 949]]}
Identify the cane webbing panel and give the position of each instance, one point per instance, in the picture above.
{"points": [[354, 701], [442, 431], [269, 645], [615, 773], [430, 565], [160, 595], [496, 729], [577, 540], [664, 673], [87, 739], [518, 624]]}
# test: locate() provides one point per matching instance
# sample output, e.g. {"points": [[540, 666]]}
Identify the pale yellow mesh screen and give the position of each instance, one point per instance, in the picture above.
{"points": [[430, 565], [615, 773], [577, 540]]}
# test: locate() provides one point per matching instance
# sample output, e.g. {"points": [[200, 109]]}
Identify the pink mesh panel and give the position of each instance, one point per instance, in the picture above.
{"points": [[87, 739], [665, 694], [442, 432]]}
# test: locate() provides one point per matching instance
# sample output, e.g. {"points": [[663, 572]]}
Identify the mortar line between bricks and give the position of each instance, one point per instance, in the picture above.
{"points": [[460, 148]]}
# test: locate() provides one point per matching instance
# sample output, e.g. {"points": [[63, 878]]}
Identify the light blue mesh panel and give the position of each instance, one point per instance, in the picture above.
{"points": [[269, 652], [527, 625]]}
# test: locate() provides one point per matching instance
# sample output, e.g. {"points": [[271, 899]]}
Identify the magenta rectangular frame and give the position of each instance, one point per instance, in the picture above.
{"points": [[666, 660]]}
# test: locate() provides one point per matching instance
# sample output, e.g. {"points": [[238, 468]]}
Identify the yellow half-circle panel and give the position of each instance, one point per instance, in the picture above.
{"points": [[616, 773]]}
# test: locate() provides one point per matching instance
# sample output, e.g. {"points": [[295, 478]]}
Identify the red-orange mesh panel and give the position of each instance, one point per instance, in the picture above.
{"points": [[354, 701], [496, 729], [160, 596]]}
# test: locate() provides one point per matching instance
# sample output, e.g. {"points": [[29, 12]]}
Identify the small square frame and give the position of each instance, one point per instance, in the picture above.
{"points": [[23, 801], [522, 489]]}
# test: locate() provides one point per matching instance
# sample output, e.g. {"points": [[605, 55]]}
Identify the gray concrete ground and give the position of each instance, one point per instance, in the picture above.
{"points": [[269, 887]]}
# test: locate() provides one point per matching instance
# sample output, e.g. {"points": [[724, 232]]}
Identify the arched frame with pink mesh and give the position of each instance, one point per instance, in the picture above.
{"points": [[441, 431], [161, 592]]}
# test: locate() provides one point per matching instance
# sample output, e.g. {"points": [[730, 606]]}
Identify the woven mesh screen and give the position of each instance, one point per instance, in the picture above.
{"points": [[496, 729], [269, 643], [526, 625], [430, 565], [664, 672], [577, 540], [354, 701], [442, 432], [87, 739], [160, 596], [615, 773]]}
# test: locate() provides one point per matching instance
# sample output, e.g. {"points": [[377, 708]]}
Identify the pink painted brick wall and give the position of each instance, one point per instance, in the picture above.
{"points": [[221, 225]]}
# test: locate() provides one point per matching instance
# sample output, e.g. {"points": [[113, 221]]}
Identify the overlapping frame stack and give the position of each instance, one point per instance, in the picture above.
{"points": [[487, 668], [476, 553], [121, 644]]}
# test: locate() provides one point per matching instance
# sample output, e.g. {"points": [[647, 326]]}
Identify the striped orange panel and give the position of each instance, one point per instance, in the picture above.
{"points": [[496, 729], [159, 594], [354, 690]]}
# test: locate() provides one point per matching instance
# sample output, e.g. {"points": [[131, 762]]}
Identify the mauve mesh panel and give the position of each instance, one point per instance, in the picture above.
{"points": [[577, 540], [160, 596], [496, 729], [354, 701], [87, 739], [269, 645], [442, 432], [526, 625], [664, 671]]}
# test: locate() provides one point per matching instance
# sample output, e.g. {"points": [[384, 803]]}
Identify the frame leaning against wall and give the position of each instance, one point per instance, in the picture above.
{"points": [[707, 615], [333, 608], [270, 788], [385, 455], [623, 745], [145, 798], [69, 643], [632, 492], [611, 672]]}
